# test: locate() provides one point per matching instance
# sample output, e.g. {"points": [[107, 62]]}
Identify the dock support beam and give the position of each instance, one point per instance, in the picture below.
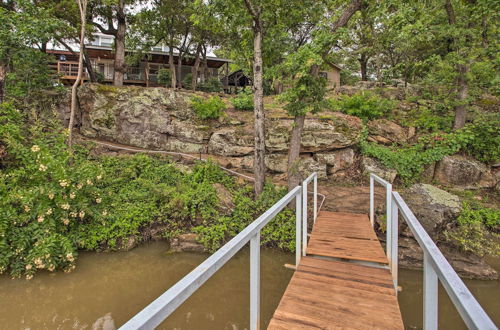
{"points": [[255, 282], [430, 295], [298, 227]]}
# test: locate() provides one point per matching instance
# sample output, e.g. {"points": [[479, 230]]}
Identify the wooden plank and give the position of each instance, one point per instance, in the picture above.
{"points": [[324, 294], [346, 236]]}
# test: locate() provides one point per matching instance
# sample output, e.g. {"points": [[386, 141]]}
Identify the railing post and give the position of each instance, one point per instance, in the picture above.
{"points": [[255, 282], [394, 241], [388, 223], [298, 223], [315, 194], [372, 201], [430, 295], [304, 218]]}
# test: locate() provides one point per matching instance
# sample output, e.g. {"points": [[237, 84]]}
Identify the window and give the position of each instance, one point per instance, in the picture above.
{"points": [[106, 41]]}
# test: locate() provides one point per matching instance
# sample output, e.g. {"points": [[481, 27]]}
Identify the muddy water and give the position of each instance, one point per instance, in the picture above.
{"points": [[108, 288]]}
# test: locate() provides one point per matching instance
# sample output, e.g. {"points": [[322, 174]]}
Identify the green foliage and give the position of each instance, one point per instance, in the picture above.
{"points": [[364, 105], [280, 232], [164, 77], [477, 230], [211, 108], [211, 85], [480, 140], [188, 79], [243, 101]]}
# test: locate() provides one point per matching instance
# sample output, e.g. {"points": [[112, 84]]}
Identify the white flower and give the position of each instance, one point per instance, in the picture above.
{"points": [[29, 277], [66, 222], [99, 177], [42, 168], [40, 218], [35, 148], [81, 214], [89, 182], [79, 186], [63, 183], [72, 195], [105, 213], [51, 268], [73, 214], [65, 206], [49, 212], [26, 208], [98, 200], [28, 266], [51, 195]]}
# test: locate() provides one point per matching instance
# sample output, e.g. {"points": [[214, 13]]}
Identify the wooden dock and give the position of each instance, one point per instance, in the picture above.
{"points": [[342, 282]]}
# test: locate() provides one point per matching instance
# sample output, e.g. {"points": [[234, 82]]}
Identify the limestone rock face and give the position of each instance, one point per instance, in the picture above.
{"points": [[371, 165], [162, 119], [386, 132], [433, 207], [337, 132], [464, 172]]}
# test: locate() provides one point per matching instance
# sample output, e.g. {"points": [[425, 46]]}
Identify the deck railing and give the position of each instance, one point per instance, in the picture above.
{"points": [[391, 246], [164, 305], [305, 196], [437, 268]]}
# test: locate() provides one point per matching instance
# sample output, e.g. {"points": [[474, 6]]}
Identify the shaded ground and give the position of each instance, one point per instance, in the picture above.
{"points": [[355, 199]]}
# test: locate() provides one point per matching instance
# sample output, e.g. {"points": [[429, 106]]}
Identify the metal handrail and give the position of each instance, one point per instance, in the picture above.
{"points": [[313, 176], [391, 224], [157, 311], [436, 267]]}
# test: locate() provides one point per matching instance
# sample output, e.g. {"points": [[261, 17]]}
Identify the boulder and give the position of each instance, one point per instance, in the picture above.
{"points": [[386, 132], [225, 198], [371, 165], [465, 264], [337, 160], [230, 142], [463, 172], [433, 207], [186, 243]]}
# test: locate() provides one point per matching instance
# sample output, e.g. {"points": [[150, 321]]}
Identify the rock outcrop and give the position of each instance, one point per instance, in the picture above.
{"points": [[160, 118], [386, 132], [371, 165], [433, 207], [463, 172]]}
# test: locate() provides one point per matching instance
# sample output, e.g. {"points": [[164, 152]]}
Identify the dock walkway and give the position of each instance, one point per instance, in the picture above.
{"points": [[343, 282]]}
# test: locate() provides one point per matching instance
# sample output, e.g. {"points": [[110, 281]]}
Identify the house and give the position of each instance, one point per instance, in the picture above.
{"points": [[332, 75], [100, 51]]}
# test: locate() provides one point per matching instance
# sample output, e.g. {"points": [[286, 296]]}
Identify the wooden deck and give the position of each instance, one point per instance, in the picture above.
{"points": [[327, 291]]}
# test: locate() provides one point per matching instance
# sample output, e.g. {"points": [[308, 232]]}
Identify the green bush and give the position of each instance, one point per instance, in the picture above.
{"points": [[211, 108], [164, 77], [211, 85], [56, 201], [243, 101], [483, 136], [186, 82], [476, 230], [364, 105]]}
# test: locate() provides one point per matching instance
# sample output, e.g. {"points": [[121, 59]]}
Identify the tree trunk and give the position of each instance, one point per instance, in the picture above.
{"points": [[294, 176], [258, 101], [179, 69], [196, 67], [463, 93], [363, 62], [119, 70], [171, 64], [82, 5], [88, 65], [3, 73]]}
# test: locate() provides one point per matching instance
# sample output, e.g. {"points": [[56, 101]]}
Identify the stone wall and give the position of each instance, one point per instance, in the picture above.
{"points": [[161, 119]]}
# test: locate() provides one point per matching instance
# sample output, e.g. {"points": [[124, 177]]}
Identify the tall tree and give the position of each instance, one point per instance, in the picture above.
{"points": [[82, 7], [308, 87], [112, 13]]}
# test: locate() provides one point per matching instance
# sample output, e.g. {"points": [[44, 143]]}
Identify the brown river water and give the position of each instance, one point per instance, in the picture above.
{"points": [[107, 289]]}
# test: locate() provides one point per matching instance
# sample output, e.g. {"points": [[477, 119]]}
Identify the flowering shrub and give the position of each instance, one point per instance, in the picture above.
{"points": [[56, 201]]}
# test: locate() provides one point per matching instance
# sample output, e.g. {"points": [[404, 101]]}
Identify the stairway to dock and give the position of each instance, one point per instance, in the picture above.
{"points": [[342, 282]]}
